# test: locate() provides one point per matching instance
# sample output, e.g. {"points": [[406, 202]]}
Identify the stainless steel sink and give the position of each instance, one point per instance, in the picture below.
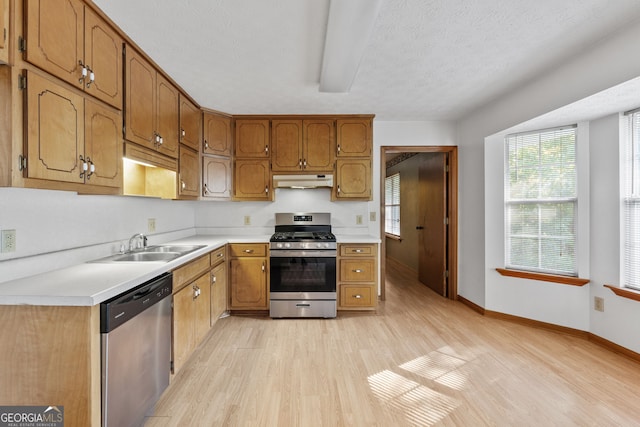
{"points": [[156, 253]]}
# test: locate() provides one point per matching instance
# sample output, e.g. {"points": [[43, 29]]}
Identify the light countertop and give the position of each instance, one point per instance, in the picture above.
{"points": [[91, 283]]}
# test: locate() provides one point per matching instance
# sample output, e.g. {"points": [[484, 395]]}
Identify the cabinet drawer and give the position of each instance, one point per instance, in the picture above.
{"points": [[247, 249], [357, 250], [357, 296], [357, 270], [217, 256], [184, 274]]}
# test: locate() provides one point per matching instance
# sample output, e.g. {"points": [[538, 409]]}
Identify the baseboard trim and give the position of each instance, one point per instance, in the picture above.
{"points": [[602, 342]]}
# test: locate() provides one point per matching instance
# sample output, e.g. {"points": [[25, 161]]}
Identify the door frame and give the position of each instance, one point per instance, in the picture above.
{"points": [[452, 208]]}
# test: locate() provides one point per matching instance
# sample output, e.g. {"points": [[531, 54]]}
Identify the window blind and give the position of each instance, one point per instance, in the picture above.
{"points": [[541, 201], [631, 202], [392, 204]]}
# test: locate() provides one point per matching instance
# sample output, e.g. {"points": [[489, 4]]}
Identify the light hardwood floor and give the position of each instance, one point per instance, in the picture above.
{"points": [[420, 360]]}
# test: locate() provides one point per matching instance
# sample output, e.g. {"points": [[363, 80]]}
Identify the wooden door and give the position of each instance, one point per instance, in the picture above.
{"points": [[202, 307], [248, 283], [353, 179], [217, 135], [353, 137], [216, 177], [4, 31], [183, 326], [189, 184], [286, 145], [218, 291], [55, 140], [190, 123], [140, 82], [252, 139], [432, 238], [103, 54], [319, 145], [252, 180], [167, 122], [103, 144], [55, 37]]}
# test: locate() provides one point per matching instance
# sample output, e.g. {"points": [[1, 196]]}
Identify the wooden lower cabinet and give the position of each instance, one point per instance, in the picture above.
{"points": [[357, 276], [191, 309], [248, 276], [219, 291]]}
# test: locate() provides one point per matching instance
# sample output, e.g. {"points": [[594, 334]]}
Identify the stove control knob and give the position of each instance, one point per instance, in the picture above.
{"points": [[278, 245], [287, 245]]}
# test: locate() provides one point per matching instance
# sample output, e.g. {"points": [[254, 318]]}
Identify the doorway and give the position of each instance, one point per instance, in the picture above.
{"points": [[438, 236]]}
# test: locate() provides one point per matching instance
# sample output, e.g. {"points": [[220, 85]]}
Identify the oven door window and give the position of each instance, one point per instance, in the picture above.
{"points": [[293, 274]]}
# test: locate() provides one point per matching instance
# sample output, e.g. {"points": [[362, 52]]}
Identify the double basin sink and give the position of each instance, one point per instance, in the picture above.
{"points": [[157, 253]]}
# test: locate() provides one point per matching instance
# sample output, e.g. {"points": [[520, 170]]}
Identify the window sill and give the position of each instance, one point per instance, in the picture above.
{"points": [[624, 292], [563, 280], [393, 237]]}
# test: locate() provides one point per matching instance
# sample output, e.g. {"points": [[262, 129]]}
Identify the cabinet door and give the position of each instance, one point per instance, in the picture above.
{"points": [[217, 135], [353, 179], [55, 37], [140, 82], [190, 123], [55, 140], [103, 54], [319, 145], [248, 283], [218, 291], [103, 144], [252, 180], [167, 117], [202, 307], [189, 182], [183, 326], [286, 145], [252, 139], [216, 177], [354, 137], [4, 31]]}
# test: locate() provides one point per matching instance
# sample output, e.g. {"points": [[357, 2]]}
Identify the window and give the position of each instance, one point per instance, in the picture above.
{"points": [[392, 205], [631, 201], [541, 201]]}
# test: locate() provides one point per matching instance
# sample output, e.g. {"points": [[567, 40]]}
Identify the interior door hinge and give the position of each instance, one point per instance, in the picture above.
{"points": [[446, 220], [22, 44], [22, 82], [446, 274], [446, 168]]}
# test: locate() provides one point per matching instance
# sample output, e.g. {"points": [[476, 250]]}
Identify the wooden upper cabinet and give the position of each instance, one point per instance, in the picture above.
{"points": [[286, 145], [252, 139], [71, 139], [103, 55], [319, 145], [302, 145], [69, 41], [152, 106], [190, 123], [353, 179], [217, 135], [216, 177], [189, 170], [252, 180], [4, 31], [354, 137]]}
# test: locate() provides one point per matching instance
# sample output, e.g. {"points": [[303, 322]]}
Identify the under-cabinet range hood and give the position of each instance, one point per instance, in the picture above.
{"points": [[303, 181]]}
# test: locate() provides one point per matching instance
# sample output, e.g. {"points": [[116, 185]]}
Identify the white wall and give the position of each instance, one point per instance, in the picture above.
{"points": [[609, 63]]}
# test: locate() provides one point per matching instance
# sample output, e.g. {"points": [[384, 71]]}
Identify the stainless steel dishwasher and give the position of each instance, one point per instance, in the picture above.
{"points": [[136, 351]]}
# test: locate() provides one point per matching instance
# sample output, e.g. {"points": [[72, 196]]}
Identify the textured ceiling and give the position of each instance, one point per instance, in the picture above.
{"points": [[426, 59]]}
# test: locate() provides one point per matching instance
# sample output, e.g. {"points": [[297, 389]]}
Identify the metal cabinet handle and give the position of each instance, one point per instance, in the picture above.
{"points": [[266, 189], [338, 188], [357, 296], [183, 184], [266, 149], [219, 255], [300, 162], [357, 270], [304, 163], [213, 278], [183, 132], [92, 167], [338, 148], [357, 251], [92, 77], [206, 145], [248, 251], [263, 267], [85, 166]]}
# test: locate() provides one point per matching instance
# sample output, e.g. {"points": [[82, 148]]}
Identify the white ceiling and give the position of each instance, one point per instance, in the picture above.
{"points": [[426, 59]]}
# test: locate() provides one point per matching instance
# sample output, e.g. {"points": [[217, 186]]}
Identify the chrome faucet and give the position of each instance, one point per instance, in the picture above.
{"points": [[134, 237]]}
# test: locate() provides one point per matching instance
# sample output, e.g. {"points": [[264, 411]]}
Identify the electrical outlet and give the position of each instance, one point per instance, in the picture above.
{"points": [[359, 219], [372, 216], [151, 225], [8, 240], [247, 220], [598, 303]]}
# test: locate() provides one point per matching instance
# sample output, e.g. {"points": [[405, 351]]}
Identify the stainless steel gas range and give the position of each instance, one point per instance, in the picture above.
{"points": [[303, 266]]}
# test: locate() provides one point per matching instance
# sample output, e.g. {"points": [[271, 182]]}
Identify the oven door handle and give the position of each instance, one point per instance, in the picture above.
{"points": [[278, 253]]}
